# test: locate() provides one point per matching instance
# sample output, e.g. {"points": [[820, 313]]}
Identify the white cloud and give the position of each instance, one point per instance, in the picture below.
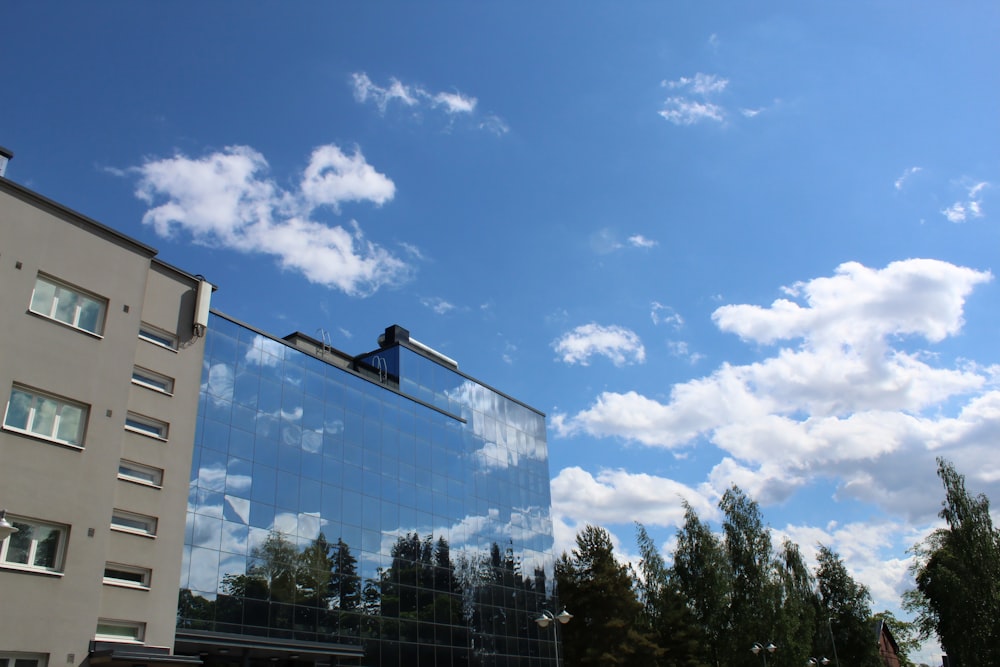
{"points": [[225, 199], [694, 106], [848, 394], [619, 497], [661, 314], [333, 177], [905, 175], [682, 350], [438, 305], [455, 102], [618, 344], [364, 90], [970, 206], [685, 111], [699, 84], [640, 241], [414, 97]]}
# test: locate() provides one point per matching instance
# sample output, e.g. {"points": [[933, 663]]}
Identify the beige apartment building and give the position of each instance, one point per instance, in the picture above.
{"points": [[100, 362]]}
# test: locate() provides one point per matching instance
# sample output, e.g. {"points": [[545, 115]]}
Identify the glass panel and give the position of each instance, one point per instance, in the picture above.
{"points": [[91, 315], [70, 424], [19, 544], [18, 410], [44, 419], [47, 549], [43, 297]]}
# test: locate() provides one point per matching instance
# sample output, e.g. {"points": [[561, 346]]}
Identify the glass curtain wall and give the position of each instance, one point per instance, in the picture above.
{"points": [[408, 514]]}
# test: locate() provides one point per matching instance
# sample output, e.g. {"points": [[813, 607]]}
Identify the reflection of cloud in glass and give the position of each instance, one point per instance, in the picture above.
{"points": [[240, 506], [508, 430], [492, 455], [264, 352], [220, 383]]}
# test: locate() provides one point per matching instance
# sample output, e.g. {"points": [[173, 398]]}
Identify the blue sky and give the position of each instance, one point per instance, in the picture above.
{"points": [[716, 243]]}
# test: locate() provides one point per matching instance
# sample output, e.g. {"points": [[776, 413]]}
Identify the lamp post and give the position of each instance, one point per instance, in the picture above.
{"points": [[833, 642], [762, 650], [547, 617], [6, 527], [818, 661]]}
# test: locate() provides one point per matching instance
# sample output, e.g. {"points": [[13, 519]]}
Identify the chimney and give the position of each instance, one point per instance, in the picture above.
{"points": [[6, 155]]}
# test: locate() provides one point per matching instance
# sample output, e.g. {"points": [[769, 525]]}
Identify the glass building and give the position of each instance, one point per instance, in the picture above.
{"points": [[384, 509]]}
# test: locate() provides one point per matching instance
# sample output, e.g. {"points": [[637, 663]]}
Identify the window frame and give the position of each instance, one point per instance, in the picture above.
{"points": [[157, 336], [140, 581], [158, 382], [125, 517], [83, 296], [154, 474], [58, 557], [138, 636], [36, 395], [11, 658], [147, 426]]}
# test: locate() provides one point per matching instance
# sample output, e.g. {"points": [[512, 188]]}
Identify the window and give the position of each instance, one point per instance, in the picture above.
{"points": [[152, 380], [158, 336], [35, 546], [146, 426], [130, 471], [120, 631], [45, 416], [133, 523], [69, 305], [22, 660], [129, 576]]}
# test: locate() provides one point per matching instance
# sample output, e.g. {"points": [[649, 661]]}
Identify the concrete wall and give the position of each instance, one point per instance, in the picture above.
{"points": [[57, 614]]}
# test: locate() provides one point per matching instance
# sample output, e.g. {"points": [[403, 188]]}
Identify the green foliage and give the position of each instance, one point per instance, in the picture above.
{"points": [[665, 612], [720, 596], [846, 609], [798, 606], [703, 578], [607, 628], [755, 595], [957, 571]]}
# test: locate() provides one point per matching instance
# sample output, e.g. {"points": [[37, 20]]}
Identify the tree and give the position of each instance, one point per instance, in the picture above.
{"points": [[598, 590], [795, 628], [957, 571], [664, 610], [701, 571], [845, 610], [754, 597]]}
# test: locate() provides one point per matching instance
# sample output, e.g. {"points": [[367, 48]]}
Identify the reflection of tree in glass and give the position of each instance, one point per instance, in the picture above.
{"points": [[316, 594]]}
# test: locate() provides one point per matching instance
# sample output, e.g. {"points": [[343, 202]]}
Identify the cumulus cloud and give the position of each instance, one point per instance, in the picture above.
{"points": [[226, 199], [618, 344], [848, 384], [418, 98], [620, 497]]}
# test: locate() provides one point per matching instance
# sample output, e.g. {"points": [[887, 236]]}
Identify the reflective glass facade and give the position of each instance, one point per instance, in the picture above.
{"points": [[403, 508]]}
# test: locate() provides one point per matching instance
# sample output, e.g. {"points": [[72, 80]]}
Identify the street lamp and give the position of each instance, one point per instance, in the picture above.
{"points": [[762, 651], [6, 528], [547, 617], [818, 661]]}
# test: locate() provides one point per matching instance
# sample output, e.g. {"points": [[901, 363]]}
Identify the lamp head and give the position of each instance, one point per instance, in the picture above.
{"points": [[564, 617], [6, 527]]}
